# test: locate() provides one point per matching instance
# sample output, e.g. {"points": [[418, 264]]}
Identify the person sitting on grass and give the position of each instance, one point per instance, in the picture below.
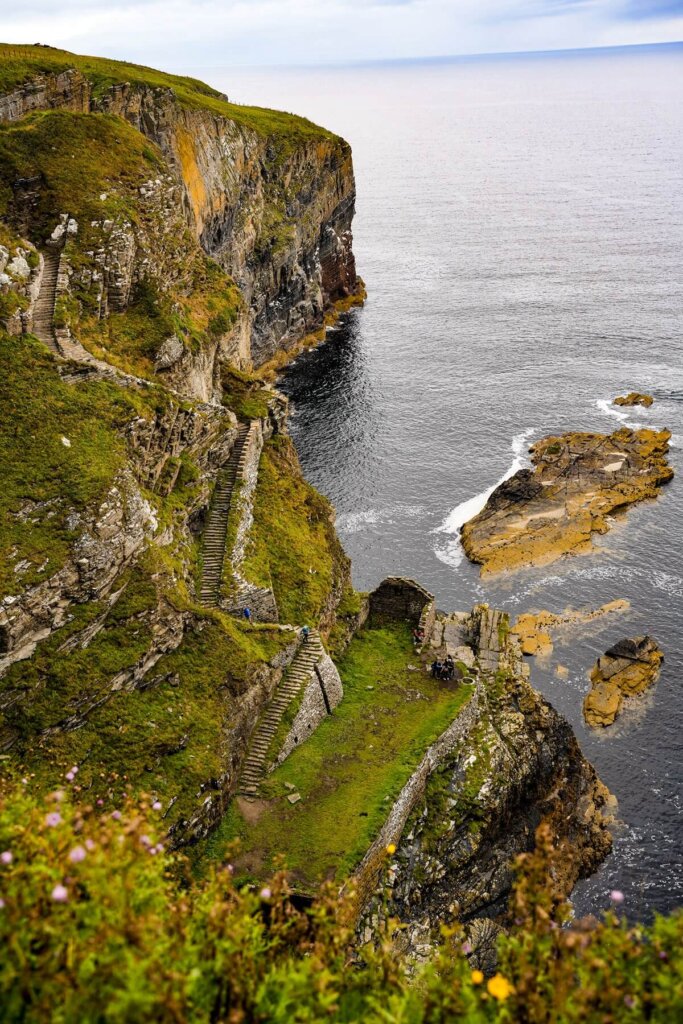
{"points": [[437, 669]]}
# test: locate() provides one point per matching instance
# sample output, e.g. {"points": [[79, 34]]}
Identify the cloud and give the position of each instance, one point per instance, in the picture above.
{"points": [[173, 33], [645, 10]]}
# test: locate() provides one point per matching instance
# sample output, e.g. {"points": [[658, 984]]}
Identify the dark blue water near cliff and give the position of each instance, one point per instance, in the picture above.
{"points": [[520, 230]]}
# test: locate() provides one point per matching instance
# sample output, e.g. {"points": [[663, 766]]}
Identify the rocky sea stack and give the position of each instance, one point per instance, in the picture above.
{"points": [[627, 669], [578, 481]]}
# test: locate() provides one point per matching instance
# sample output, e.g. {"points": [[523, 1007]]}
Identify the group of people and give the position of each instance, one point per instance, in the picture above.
{"points": [[444, 670]]}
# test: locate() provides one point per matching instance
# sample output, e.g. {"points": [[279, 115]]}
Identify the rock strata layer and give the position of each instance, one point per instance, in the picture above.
{"points": [[577, 482], [625, 670]]}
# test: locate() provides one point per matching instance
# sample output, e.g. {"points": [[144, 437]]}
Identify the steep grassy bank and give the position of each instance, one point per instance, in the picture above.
{"points": [[351, 770], [157, 947]]}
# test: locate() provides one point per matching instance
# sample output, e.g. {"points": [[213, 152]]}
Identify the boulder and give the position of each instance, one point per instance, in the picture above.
{"points": [[626, 669], [602, 705]]}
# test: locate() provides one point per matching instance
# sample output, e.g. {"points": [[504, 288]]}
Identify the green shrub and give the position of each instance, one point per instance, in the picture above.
{"points": [[100, 922]]}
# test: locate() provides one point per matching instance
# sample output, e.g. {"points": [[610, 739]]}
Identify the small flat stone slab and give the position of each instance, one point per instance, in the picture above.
{"points": [[294, 798], [289, 785]]}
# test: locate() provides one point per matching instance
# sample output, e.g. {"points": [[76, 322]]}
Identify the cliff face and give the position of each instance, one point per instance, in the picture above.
{"points": [[155, 241], [518, 766], [270, 200]]}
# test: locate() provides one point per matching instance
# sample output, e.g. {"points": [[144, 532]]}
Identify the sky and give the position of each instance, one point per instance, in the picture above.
{"points": [[211, 33]]}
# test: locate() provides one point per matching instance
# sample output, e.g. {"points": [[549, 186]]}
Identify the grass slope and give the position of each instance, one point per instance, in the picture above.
{"points": [[19, 64], [292, 543], [166, 738], [45, 480], [352, 768]]}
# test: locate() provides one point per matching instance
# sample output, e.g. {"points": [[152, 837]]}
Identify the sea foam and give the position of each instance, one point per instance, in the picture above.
{"points": [[451, 552]]}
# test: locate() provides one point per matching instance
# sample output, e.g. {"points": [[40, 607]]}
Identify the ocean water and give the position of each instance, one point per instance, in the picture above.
{"points": [[520, 231]]}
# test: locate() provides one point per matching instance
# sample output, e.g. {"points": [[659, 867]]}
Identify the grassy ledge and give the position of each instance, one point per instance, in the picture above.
{"points": [[292, 544], [352, 768]]}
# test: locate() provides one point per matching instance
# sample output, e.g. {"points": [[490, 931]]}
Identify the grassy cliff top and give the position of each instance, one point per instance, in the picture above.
{"points": [[20, 64]]}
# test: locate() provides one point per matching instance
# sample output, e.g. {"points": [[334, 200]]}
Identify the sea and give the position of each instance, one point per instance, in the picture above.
{"points": [[519, 229]]}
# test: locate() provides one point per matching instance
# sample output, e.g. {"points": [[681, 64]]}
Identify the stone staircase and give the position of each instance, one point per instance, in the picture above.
{"points": [[216, 530], [44, 310], [297, 676]]}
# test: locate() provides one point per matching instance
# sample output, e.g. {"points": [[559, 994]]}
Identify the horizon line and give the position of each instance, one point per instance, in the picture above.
{"points": [[443, 58]]}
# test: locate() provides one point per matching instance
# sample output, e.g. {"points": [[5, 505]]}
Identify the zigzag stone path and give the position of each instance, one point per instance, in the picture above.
{"points": [[216, 530], [298, 675]]}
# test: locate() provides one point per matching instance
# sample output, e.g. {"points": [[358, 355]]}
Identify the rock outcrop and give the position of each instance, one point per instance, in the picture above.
{"points": [[519, 765], [634, 398], [268, 196], [626, 670], [532, 629], [577, 483]]}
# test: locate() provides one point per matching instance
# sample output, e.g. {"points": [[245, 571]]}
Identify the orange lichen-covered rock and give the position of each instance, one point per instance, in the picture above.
{"points": [[625, 670], [577, 482], [532, 629], [634, 398]]}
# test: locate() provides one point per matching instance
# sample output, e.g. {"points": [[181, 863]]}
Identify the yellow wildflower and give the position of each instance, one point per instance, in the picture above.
{"points": [[391, 849], [499, 987], [477, 977]]}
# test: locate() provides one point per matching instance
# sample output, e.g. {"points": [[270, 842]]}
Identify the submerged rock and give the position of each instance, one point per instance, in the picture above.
{"points": [[634, 398], [532, 629], [578, 480], [625, 670]]}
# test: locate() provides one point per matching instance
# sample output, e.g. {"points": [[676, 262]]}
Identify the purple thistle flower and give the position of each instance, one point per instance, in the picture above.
{"points": [[2, 903], [156, 806], [60, 894], [77, 855], [616, 896], [466, 948], [100, 802], [69, 776], [75, 769], [663, 955], [6, 857], [89, 845], [266, 894], [629, 1001], [53, 818], [116, 815], [145, 840]]}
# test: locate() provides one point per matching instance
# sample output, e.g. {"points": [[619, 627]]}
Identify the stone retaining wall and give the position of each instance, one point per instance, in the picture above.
{"points": [[260, 600], [367, 875], [322, 695]]}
